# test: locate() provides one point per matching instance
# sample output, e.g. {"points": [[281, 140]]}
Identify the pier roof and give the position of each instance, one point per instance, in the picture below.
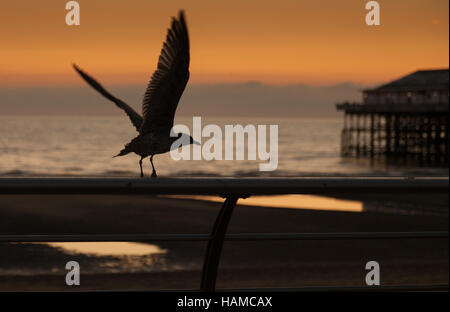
{"points": [[437, 79]]}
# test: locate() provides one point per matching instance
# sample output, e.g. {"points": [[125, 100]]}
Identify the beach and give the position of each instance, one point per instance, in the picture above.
{"points": [[244, 264]]}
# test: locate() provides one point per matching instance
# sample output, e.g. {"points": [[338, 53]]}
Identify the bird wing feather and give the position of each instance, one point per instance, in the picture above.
{"points": [[168, 81], [135, 118]]}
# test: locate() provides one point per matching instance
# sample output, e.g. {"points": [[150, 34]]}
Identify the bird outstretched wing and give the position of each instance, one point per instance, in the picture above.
{"points": [[168, 81], [135, 118]]}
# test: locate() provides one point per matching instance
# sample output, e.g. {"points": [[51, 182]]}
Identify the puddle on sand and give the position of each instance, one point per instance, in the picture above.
{"points": [[289, 201], [110, 248]]}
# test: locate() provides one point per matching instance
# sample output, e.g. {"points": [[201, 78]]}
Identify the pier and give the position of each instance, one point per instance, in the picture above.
{"points": [[406, 120]]}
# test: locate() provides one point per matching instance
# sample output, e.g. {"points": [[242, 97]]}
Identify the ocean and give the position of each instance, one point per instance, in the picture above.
{"points": [[84, 146]]}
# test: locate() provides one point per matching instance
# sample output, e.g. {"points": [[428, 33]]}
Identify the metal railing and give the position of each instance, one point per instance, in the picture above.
{"points": [[231, 189]]}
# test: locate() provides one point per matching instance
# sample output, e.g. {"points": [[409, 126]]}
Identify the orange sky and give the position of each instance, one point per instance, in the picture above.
{"points": [[278, 42]]}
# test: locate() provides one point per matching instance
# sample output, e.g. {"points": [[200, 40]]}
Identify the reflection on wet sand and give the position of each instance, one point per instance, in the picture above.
{"points": [[290, 201], [110, 248]]}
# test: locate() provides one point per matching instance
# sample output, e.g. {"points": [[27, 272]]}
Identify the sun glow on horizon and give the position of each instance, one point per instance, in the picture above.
{"points": [[290, 42]]}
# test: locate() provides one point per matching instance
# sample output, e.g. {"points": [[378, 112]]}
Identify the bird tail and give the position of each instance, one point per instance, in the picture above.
{"points": [[123, 152], [130, 147]]}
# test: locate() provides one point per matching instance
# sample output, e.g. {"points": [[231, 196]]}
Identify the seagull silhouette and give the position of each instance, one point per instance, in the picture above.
{"points": [[160, 100]]}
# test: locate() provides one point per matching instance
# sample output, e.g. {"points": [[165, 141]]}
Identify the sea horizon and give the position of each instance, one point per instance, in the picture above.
{"points": [[84, 145]]}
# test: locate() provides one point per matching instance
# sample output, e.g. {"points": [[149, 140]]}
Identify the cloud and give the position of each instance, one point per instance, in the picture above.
{"points": [[239, 99]]}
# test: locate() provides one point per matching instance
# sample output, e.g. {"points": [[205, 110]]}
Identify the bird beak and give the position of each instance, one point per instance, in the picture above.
{"points": [[195, 142]]}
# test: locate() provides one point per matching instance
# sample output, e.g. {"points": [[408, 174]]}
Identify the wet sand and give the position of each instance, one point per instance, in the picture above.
{"points": [[244, 264]]}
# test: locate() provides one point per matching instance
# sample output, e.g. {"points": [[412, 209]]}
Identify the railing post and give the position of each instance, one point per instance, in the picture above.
{"points": [[214, 248]]}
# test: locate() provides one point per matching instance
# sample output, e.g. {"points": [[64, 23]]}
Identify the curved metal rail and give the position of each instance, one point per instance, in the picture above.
{"points": [[231, 189]]}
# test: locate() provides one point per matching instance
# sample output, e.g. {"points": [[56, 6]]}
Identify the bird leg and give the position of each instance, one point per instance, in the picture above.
{"points": [[140, 164], [153, 167]]}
